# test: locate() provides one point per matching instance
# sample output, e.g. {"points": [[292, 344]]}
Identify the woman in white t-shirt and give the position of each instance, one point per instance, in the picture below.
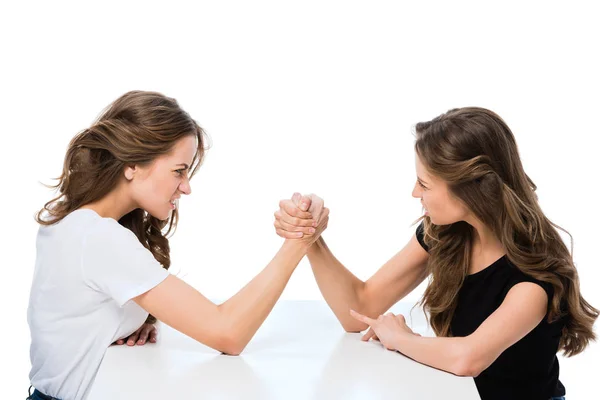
{"points": [[103, 252]]}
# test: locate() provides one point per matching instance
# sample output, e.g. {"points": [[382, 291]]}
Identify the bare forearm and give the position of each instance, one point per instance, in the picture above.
{"points": [[246, 311], [449, 354], [340, 288]]}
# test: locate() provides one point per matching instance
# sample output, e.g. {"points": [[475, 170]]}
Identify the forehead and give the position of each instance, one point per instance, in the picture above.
{"points": [[421, 169], [183, 151]]}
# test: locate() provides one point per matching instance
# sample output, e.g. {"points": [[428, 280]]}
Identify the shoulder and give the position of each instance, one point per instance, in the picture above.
{"points": [[108, 232], [516, 276]]}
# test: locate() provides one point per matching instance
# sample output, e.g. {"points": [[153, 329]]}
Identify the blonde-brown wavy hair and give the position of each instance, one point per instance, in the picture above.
{"points": [[135, 129], [475, 153]]}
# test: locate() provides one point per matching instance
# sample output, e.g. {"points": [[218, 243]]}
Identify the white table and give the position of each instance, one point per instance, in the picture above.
{"points": [[300, 352]]}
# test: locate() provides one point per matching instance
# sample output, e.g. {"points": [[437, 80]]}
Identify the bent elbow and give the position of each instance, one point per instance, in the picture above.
{"points": [[467, 366], [231, 346], [233, 351], [353, 327], [467, 371]]}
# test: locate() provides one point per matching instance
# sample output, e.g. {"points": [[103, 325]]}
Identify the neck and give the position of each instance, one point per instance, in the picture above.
{"points": [[484, 238], [114, 205]]}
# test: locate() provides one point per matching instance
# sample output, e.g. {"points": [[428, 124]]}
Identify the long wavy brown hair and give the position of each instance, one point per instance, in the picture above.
{"points": [[475, 153], [135, 129]]}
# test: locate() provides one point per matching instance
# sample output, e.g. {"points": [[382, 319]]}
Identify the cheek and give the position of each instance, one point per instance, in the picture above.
{"points": [[441, 205], [450, 210], [158, 186]]}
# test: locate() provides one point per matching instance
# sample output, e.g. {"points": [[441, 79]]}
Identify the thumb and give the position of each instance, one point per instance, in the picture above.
{"points": [[305, 202], [296, 197]]}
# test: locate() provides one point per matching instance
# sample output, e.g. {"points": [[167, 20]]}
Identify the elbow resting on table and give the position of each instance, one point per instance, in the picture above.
{"points": [[354, 327], [230, 345], [468, 364]]}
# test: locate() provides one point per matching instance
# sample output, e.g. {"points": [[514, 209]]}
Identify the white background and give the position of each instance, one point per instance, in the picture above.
{"points": [[312, 96]]}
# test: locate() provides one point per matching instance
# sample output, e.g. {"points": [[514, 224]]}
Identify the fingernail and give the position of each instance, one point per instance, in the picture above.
{"points": [[299, 234], [303, 206], [130, 342], [315, 223], [140, 342], [312, 230]]}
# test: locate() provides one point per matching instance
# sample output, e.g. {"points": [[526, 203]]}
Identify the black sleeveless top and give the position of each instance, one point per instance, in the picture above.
{"points": [[529, 368]]}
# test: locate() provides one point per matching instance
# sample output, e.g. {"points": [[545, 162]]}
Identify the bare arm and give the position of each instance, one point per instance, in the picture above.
{"points": [[344, 291], [230, 326], [521, 311], [341, 289]]}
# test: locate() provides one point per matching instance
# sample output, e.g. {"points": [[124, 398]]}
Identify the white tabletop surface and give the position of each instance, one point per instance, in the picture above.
{"points": [[300, 352]]}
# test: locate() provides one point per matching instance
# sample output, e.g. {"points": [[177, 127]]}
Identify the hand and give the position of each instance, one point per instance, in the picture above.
{"points": [[386, 328], [301, 216], [145, 333]]}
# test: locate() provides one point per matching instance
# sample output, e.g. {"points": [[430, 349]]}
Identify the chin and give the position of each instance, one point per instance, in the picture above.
{"points": [[159, 215]]}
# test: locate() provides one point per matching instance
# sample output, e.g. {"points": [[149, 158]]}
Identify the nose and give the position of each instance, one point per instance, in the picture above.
{"points": [[417, 191], [185, 187]]}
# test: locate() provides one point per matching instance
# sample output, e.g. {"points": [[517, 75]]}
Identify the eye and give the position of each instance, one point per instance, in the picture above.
{"points": [[420, 184], [180, 171]]}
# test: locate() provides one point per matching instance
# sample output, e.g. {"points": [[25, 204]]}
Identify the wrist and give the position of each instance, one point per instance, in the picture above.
{"points": [[402, 340], [317, 246], [295, 245]]}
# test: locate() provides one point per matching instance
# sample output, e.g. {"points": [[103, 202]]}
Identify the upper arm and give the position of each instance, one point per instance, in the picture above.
{"points": [[395, 279], [185, 309], [522, 310]]}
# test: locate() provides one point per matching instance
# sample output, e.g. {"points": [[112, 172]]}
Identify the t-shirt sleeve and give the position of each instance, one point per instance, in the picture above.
{"points": [[420, 236], [114, 262]]}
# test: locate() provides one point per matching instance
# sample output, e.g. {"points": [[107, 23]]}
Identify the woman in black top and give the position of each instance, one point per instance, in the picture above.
{"points": [[503, 294]]}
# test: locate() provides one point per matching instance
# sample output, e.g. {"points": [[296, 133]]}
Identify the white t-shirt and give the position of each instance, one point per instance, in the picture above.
{"points": [[87, 270]]}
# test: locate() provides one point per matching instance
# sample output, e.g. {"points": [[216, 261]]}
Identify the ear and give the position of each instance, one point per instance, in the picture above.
{"points": [[129, 172]]}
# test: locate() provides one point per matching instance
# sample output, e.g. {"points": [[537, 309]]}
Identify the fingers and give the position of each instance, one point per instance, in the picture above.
{"points": [[324, 216], [322, 225], [296, 224], [316, 206], [153, 335], [291, 209], [369, 335], [119, 342], [305, 203], [362, 318], [286, 234], [296, 198], [133, 337], [145, 332]]}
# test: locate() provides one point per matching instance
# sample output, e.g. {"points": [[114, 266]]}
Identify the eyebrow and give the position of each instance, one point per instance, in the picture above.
{"points": [[183, 164]]}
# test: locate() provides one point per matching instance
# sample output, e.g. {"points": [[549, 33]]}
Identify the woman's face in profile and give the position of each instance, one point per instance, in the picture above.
{"points": [[439, 205], [157, 186]]}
